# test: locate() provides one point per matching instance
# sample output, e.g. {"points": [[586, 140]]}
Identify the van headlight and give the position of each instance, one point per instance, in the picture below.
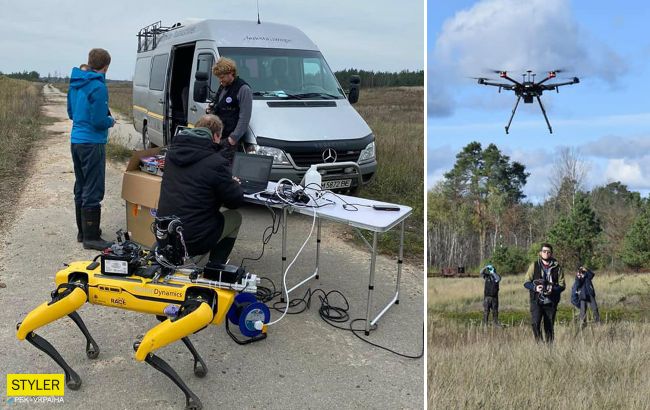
{"points": [[368, 153], [279, 157]]}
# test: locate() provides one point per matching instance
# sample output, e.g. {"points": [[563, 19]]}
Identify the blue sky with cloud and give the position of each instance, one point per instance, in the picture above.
{"points": [[606, 117]]}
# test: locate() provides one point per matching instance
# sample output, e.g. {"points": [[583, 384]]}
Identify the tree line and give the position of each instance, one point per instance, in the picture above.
{"points": [[478, 214], [25, 75], [370, 79]]}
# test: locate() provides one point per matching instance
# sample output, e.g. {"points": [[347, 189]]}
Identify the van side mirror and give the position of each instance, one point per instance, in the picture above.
{"points": [[353, 94], [200, 91]]}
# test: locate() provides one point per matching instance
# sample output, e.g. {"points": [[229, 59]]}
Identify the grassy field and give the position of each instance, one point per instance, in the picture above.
{"points": [[396, 117], [20, 122], [603, 366]]}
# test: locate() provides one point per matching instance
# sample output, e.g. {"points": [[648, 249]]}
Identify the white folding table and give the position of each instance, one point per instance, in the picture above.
{"points": [[364, 218]]}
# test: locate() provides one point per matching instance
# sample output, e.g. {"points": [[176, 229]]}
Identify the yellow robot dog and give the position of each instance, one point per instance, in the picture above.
{"points": [[184, 297]]}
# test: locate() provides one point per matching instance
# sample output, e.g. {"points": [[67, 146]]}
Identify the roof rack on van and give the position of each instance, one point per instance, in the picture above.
{"points": [[148, 36]]}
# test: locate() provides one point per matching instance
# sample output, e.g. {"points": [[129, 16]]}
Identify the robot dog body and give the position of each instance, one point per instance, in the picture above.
{"points": [[197, 301]]}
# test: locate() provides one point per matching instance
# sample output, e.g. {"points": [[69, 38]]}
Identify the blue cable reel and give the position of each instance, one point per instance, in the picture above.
{"points": [[250, 316]]}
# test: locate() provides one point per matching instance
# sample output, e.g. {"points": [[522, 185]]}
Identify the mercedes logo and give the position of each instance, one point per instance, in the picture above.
{"points": [[329, 155]]}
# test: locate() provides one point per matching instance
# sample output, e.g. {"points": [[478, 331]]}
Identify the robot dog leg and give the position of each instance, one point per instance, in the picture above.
{"points": [[194, 315], [66, 299]]}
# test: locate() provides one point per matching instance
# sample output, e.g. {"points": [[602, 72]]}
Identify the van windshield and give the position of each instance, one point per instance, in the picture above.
{"points": [[281, 74]]}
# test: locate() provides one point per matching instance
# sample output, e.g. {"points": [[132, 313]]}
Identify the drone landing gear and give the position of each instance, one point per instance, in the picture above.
{"points": [[550, 130], [513, 113], [193, 316], [66, 299]]}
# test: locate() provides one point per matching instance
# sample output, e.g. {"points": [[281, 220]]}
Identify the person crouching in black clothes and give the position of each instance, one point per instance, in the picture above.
{"points": [[545, 281], [584, 294], [490, 294], [196, 183]]}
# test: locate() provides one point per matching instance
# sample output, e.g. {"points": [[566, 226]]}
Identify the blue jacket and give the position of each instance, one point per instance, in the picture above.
{"points": [[88, 107]]}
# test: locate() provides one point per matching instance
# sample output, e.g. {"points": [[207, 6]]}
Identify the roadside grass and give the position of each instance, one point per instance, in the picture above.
{"points": [[472, 366], [396, 117], [121, 98], [20, 127]]}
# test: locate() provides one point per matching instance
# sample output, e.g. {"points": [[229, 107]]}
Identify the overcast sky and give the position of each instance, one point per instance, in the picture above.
{"points": [[49, 36], [606, 117]]}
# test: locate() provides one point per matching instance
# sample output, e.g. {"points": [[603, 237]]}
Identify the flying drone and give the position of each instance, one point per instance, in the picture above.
{"points": [[528, 89]]}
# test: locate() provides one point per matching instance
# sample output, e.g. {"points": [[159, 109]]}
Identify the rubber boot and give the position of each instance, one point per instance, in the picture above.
{"points": [[91, 218], [80, 231], [221, 253]]}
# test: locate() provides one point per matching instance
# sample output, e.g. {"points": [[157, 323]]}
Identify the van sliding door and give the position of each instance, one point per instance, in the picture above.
{"points": [[156, 101]]}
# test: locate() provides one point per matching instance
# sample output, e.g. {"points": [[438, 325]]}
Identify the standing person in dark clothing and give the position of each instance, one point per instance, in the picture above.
{"points": [[197, 182], [232, 103], [583, 294], [91, 119], [545, 281], [491, 294]]}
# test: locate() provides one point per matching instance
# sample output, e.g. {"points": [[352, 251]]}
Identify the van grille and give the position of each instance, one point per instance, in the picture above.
{"points": [[305, 159]]}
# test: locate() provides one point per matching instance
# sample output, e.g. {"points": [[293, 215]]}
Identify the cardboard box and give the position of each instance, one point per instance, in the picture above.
{"points": [[141, 191]]}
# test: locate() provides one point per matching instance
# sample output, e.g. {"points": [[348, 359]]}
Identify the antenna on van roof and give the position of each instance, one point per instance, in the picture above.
{"points": [[258, 12]]}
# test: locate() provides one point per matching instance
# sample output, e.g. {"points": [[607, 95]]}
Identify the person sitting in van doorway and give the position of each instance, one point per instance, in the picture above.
{"points": [[233, 104], [197, 182], [91, 119]]}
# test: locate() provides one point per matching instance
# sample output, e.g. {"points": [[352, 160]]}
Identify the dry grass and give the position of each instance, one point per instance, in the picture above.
{"points": [[396, 117], [471, 366], [121, 98], [20, 126]]}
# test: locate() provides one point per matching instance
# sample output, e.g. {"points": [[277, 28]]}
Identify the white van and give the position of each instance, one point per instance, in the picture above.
{"points": [[301, 115]]}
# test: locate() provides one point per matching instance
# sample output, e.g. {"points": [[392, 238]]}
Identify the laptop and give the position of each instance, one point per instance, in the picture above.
{"points": [[252, 170]]}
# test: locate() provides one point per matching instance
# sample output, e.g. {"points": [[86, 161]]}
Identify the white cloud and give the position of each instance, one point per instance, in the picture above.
{"points": [[627, 171], [508, 35]]}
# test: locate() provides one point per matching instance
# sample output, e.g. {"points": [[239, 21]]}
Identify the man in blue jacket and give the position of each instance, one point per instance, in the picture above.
{"points": [[91, 119]]}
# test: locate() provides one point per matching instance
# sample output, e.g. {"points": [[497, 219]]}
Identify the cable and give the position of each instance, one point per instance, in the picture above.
{"points": [[266, 235], [333, 315], [284, 277]]}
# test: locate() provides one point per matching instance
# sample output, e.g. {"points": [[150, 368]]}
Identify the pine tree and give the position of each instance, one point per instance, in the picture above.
{"points": [[574, 236], [636, 245]]}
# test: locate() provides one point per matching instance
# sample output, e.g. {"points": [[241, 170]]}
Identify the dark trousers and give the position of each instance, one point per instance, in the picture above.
{"points": [[545, 313], [228, 151], [491, 303], [594, 309], [89, 170]]}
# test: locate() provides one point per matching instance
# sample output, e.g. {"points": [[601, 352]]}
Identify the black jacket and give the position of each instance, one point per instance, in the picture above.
{"points": [[197, 182], [557, 276], [227, 108]]}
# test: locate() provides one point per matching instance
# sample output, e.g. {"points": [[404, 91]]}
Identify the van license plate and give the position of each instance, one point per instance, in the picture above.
{"points": [[336, 184]]}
